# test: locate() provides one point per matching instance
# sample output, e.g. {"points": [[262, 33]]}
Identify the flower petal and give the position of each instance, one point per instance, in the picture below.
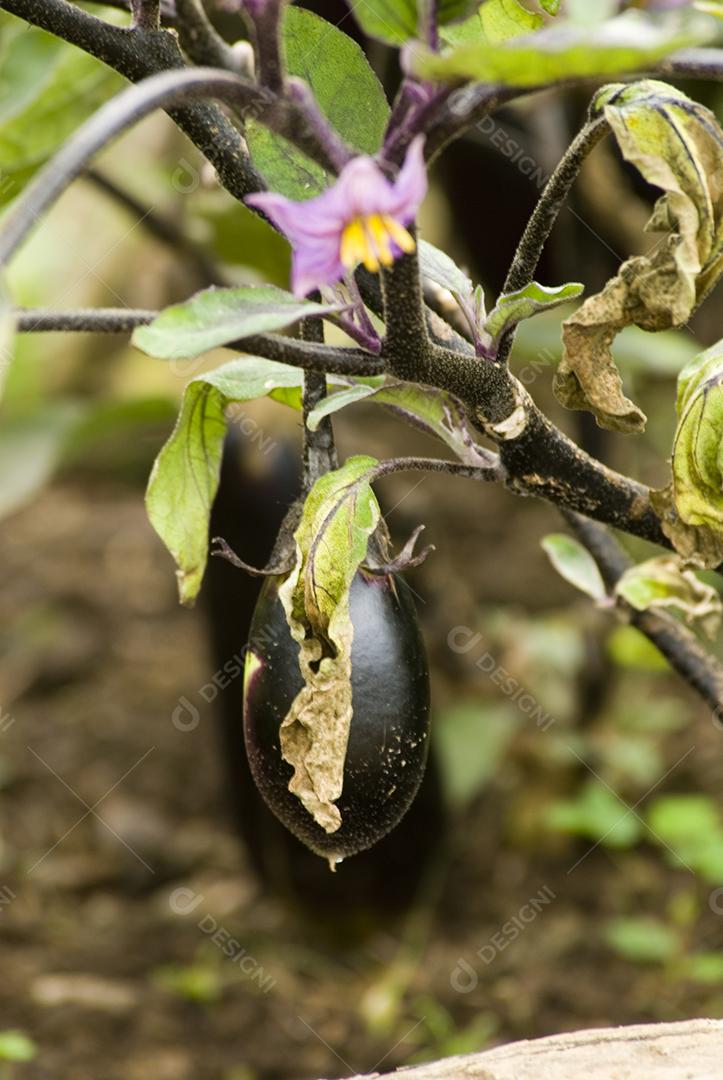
{"points": [[410, 187]]}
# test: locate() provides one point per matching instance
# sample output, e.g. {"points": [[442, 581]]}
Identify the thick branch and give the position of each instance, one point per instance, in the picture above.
{"points": [[678, 645], [406, 344]]}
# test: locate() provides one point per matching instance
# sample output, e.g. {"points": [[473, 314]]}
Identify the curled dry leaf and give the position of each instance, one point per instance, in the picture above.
{"points": [[677, 145], [339, 515], [662, 583]]}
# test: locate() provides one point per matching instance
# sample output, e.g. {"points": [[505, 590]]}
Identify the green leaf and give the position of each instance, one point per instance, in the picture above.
{"points": [[494, 21], [643, 940], [241, 238], [575, 564], [689, 829], [339, 515], [217, 317], [586, 14], [677, 145], [598, 815], [185, 476], [550, 6], [47, 89], [471, 740], [627, 43], [661, 583], [435, 411], [391, 21], [439, 268], [683, 820], [705, 967], [502, 20], [346, 90], [629, 648], [16, 1046], [512, 308], [200, 983]]}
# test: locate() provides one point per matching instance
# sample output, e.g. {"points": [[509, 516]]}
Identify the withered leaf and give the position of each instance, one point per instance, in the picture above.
{"points": [[677, 145]]}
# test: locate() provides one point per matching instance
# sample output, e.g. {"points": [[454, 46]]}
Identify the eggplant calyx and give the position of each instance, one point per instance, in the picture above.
{"points": [[381, 565], [225, 551]]}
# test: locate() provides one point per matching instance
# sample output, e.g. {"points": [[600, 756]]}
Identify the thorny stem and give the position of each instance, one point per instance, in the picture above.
{"points": [[550, 203], [146, 14], [199, 38], [91, 321], [319, 455], [265, 17], [679, 646], [545, 214]]}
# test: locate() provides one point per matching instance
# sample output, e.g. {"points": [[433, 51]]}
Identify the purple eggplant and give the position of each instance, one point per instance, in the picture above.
{"points": [[389, 735]]}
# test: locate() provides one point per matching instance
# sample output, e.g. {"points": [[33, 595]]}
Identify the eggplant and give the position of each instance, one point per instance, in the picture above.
{"points": [[389, 733]]}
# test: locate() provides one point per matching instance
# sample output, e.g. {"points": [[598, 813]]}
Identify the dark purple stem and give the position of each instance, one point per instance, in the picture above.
{"points": [[419, 117], [265, 18], [303, 98], [430, 31]]}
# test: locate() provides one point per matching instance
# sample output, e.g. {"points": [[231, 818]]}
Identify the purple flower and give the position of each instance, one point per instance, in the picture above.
{"points": [[360, 219]]}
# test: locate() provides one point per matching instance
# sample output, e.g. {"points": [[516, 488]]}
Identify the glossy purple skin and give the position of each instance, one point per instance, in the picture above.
{"points": [[389, 735]]}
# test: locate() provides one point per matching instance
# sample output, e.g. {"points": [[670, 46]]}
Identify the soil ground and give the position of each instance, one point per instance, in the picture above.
{"points": [[119, 862]]}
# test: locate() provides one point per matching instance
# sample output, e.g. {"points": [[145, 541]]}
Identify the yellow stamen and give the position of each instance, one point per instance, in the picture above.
{"points": [[353, 244], [368, 240], [399, 234], [379, 236]]}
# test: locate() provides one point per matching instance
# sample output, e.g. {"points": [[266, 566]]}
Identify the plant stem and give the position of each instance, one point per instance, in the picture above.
{"points": [[494, 472], [701, 671], [544, 216], [306, 355], [406, 343], [264, 17], [90, 321], [319, 455], [146, 14], [199, 38], [550, 203]]}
